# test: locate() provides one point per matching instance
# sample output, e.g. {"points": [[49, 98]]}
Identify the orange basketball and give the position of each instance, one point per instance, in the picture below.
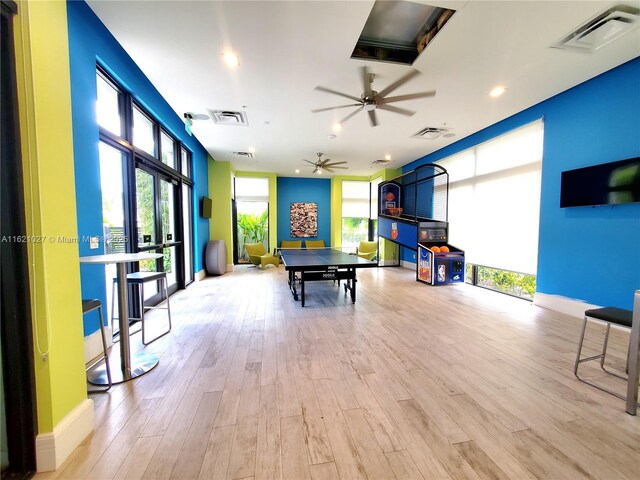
{"points": [[435, 249], [444, 249]]}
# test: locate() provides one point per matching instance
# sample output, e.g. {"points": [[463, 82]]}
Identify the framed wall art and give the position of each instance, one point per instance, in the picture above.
{"points": [[304, 219]]}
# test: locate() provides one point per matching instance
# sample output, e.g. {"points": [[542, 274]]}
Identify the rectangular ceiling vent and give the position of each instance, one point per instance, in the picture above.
{"points": [[603, 29], [229, 117], [381, 162], [243, 155], [430, 133]]}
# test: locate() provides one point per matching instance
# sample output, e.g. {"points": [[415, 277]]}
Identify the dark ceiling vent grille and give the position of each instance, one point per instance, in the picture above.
{"points": [[381, 162], [229, 117]]}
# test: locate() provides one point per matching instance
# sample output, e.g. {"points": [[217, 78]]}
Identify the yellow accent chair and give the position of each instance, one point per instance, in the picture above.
{"points": [[367, 250], [291, 244], [314, 244], [259, 256]]}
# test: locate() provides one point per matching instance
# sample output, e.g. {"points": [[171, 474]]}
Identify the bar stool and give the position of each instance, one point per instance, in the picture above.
{"points": [[609, 315], [90, 306], [139, 279]]}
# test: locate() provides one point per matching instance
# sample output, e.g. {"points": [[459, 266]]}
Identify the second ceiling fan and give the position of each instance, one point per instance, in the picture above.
{"points": [[322, 165], [370, 100]]}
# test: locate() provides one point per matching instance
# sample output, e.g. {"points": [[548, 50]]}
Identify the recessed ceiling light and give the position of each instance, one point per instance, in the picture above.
{"points": [[337, 127], [231, 59], [252, 149], [297, 171], [496, 92], [387, 157]]}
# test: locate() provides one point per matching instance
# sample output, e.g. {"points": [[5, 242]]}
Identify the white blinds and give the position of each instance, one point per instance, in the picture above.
{"points": [[494, 200], [252, 189], [355, 199]]}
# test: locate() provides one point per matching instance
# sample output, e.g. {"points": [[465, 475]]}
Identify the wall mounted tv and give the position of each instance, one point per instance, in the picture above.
{"points": [[205, 207], [607, 184]]}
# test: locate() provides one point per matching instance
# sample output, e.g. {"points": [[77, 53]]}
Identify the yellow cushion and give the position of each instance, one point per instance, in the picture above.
{"points": [[291, 244], [314, 243], [367, 250]]}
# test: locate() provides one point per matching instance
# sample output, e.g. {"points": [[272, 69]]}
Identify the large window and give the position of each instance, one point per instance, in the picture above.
{"points": [[252, 211], [494, 207], [146, 186], [355, 213]]}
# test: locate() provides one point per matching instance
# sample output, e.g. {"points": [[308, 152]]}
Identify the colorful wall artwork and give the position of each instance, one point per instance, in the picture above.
{"points": [[304, 219]]}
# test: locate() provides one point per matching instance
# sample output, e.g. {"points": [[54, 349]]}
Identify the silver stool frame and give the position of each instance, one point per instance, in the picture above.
{"points": [[86, 308], [137, 279], [600, 356]]}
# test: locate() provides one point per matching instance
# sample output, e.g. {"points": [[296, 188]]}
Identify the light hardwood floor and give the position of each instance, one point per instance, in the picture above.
{"points": [[411, 382]]}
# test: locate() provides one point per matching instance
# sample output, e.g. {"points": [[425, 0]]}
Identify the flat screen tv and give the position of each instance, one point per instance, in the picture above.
{"points": [[205, 207], [607, 184]]}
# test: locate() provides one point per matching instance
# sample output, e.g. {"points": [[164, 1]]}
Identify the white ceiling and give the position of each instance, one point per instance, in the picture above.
{"points": [[287, 48]]}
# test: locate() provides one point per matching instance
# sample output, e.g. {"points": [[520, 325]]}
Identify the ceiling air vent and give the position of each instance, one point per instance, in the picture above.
{"points": [[229, 117], [381, 162], [603, 29], [243, 155], [429, 133]]}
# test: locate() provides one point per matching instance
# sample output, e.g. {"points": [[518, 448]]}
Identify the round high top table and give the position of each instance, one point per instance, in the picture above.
{"points": [[140, 363]]}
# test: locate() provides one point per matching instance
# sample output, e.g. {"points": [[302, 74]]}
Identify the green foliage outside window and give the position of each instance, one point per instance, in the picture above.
{"points": [[252, 228], [505, 281]]}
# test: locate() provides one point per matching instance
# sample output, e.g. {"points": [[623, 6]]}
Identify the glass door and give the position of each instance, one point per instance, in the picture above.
{"points": [[156, 206]]}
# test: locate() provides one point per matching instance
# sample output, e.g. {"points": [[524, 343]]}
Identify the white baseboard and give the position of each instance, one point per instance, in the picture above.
{"points": [[93, 344], [388, 263], [406, 264], [566, 305], [230, 267], [200, 275], [52, 449]]}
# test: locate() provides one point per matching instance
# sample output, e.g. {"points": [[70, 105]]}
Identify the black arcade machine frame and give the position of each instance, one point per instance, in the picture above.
{"points": [[413, 212]]}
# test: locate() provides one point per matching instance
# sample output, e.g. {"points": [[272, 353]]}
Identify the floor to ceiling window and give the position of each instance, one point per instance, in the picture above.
{"points": [[146, 189], [494, 208], [356, 198], [252, 214]]}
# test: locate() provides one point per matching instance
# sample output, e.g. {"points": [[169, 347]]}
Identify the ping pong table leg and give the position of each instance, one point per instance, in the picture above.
{"points": [[302, 287]]}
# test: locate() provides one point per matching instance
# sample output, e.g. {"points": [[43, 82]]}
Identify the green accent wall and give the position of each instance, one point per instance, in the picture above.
{"points": [[220, 184], [44, 102], [336, 206]]}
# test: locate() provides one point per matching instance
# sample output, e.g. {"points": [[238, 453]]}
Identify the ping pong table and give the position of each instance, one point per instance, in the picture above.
{"points": [[317, 264]]}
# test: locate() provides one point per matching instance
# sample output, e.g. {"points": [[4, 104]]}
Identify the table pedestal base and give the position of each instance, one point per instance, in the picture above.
{"points": [[141, 363]]}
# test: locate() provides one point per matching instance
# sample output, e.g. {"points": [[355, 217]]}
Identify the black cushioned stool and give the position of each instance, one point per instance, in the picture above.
{"points": [[139, 279], [609, 315], [90, 306]]}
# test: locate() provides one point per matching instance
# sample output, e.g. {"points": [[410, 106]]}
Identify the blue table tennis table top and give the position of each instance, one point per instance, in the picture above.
{"points": [[322, 258]]}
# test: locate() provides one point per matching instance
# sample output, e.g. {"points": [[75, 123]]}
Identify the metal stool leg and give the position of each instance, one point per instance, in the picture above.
{"points": [[113, 298], [584, 329], [168, 308], [105, 355]]}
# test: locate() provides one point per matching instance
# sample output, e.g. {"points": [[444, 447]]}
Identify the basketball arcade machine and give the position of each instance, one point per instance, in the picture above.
{"points": [[413, 212]]}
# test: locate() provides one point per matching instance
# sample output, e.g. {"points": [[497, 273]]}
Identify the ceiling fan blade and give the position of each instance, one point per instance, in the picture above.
{"points": [[350, 115], [333, 108], [366, 81], [410, 96], [346, 95], [401, 81], [334, 163], [372, 118], [332, 167], [322, 163], [312, 163], [391, 108]]}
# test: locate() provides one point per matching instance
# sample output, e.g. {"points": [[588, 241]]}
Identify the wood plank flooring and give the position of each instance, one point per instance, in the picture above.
{"points": [[411, 382]]}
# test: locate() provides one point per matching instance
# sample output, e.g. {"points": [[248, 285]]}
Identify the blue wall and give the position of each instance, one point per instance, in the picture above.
{"points": [[585, 253], [91, 43], [316, 190]]}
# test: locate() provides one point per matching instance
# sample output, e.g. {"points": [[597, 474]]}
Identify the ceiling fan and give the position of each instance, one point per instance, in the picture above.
{"points": [[370, 100], [322, 165]]}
